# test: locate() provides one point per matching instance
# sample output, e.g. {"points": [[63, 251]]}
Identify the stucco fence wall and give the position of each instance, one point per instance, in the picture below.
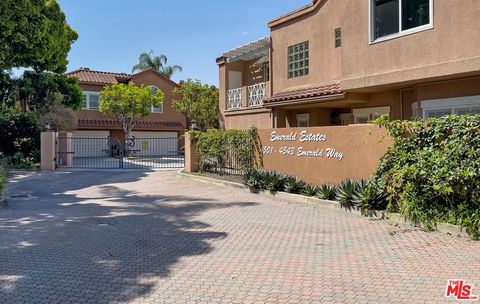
{"points": [[316, 155]]}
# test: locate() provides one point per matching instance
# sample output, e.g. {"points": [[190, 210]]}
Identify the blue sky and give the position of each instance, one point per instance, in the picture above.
{"points": [[112, 33]]}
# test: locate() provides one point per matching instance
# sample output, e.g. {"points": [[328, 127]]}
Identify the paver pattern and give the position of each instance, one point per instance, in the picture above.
{"points": [[150, 237]]}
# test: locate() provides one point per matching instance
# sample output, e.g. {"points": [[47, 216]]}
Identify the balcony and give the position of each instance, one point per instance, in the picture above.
{"points": [[247, 96]]}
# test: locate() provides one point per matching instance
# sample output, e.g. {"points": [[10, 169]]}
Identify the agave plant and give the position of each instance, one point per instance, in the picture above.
{"points": [[294, 185], [252, 179], [347, 192], [327, 192], [310, 190], [370, 197], [276, 182]]}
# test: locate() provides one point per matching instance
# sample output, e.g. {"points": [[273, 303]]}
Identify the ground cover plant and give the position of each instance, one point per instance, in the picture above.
{"points": [[432, 172]]}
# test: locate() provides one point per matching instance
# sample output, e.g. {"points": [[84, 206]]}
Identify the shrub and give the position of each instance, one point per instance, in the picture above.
{"points": [[432, 171], [276, 182], [347, 192], [294, 185], [19, 132], [310, 190], [253, 180], [225, 151], [327, 192]]}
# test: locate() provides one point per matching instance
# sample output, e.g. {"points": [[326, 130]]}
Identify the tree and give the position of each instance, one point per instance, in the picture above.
{"points": [[58, 115], [158, 63], [129, 103], [199, 102], [34, 33], [38, 90]]}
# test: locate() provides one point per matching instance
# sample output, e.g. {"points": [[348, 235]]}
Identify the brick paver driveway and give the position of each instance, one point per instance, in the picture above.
{"points": [[107, 237]]}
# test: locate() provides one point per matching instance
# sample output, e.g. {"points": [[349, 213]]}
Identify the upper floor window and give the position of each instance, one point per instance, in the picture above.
{"points": [[393, 18], [154, 109], [91, 100], [298, 60]]}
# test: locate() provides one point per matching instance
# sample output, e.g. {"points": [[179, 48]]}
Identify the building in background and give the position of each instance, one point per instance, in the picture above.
{"points": [[162, 123], [348, 62]]}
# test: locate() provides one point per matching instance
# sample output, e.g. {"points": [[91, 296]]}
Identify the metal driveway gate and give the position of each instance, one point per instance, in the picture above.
{"points": [[111, 153]]}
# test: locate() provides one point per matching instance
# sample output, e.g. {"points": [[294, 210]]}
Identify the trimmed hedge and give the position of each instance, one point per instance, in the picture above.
{"points": [[225, 149]]}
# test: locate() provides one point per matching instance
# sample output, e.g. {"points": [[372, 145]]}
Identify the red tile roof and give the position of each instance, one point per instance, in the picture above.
{"points": [[306, 92], [98, 77], [87, 76], [112, 123]]}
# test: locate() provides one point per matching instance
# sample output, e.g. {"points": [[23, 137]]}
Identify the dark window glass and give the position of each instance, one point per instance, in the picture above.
{"points": [[415, 13], [386, 17]]}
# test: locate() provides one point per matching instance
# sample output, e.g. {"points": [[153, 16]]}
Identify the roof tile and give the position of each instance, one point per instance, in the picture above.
{"points": [[307, 92]]}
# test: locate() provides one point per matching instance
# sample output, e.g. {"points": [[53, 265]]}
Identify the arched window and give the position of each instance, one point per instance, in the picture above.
{"points": [[153, 109]]}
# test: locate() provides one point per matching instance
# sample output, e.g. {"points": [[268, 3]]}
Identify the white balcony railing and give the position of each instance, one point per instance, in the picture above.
{"points": [[257, 94], [235, 98]]}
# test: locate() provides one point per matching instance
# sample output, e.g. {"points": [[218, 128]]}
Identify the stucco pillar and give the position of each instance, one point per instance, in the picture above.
{"points": [[191, 156], [47, 150], [245, 97], [65, 149]]}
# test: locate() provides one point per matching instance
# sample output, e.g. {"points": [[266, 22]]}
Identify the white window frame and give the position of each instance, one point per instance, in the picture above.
{"points": [[453, 104], [304, 117], [87, 95], [155, 109], [369, 113], [401, 32]]}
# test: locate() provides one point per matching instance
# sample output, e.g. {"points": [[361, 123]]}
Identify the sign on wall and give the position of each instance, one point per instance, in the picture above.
{"points": [[324, 154]]}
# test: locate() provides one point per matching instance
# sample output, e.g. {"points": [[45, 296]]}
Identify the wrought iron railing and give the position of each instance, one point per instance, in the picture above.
{"points": [[235, 98], [257, 94], [111, 153], [233, 158]]}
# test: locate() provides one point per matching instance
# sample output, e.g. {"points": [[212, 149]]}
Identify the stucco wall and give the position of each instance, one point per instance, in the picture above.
{"points": [[260, 119], [452, 47], [146, 79], [317, 28], [361, 146]]}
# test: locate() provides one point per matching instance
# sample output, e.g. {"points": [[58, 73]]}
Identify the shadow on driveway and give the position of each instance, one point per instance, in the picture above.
{"points": [[112, 244]]}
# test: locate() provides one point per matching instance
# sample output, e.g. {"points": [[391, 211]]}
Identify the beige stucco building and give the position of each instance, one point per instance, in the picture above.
{"points": [[338, 62]]}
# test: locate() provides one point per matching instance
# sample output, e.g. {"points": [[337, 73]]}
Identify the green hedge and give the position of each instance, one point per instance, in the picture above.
{"points": [[432, 172], [222, 149], [19, 138]]}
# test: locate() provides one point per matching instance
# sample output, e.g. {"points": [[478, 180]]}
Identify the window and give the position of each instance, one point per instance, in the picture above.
{"points": [[338, 37], [303, 120], [266, 72], [153, 109], [365, 115], [91, 100], [393, 18], [447, 106], [298, 60]]}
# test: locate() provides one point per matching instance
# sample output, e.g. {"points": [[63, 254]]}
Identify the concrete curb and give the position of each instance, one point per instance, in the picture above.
{"points": [[297, 198]]}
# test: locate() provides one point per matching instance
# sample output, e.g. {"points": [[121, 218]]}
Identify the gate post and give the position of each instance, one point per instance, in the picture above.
{"points": [[47, 150], [191, 156], [65, 150]]}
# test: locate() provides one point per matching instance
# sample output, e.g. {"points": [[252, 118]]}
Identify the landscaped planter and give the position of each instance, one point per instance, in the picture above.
{"points": [[298, 198]]}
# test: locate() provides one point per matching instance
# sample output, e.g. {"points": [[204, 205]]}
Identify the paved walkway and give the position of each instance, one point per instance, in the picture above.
{"points": [[106, 237]]}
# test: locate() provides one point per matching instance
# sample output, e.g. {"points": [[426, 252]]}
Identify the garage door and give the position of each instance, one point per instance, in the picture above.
{"points": [[90, 143], [155, 143]]}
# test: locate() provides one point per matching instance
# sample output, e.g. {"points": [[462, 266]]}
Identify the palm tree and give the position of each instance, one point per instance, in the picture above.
{"points": [[158, 63]]}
